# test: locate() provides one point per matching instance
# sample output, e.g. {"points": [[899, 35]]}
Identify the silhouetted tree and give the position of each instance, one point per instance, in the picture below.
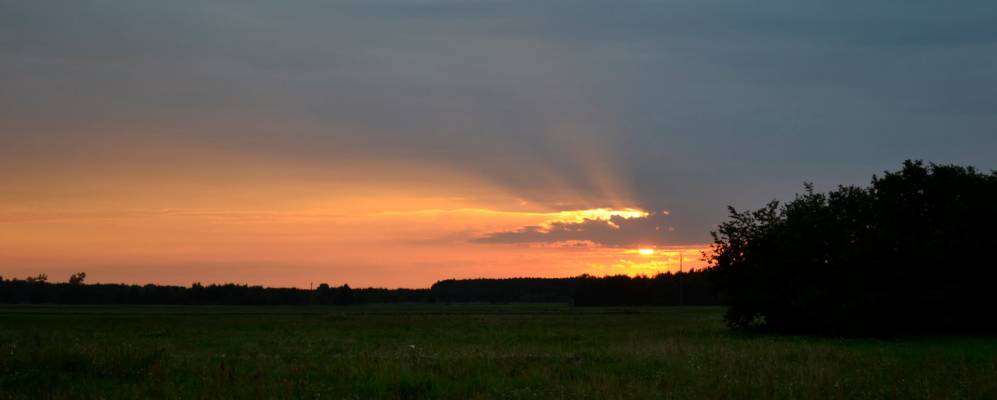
{"points": [[77, 278], [907, 255]]}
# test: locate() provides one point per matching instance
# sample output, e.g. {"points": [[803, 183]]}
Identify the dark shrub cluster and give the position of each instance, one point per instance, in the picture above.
{"points": [[688, 288], [668, 289], [33, 290], [534, 290], [911, 254]]}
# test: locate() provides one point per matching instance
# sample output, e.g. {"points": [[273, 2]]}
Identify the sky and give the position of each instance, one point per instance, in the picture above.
{"points": [[395, 143]]}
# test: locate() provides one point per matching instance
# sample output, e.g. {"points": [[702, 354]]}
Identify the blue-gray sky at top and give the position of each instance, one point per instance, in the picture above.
{"points": [[695, 104]]}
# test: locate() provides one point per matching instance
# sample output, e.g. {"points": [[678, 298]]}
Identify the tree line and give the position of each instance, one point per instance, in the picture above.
{"points": [[910, 254], [664, 289], [669, 289]]}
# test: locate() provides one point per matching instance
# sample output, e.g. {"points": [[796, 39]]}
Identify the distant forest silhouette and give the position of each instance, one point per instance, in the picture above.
{"points": [[663, 289]]}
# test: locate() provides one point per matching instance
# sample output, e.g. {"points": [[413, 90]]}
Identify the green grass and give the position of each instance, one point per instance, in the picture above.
{"points": [[461, 352]]}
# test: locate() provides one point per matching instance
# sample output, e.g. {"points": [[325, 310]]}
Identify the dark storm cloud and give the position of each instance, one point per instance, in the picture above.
{"points": [[615, 232], [690, 104]]}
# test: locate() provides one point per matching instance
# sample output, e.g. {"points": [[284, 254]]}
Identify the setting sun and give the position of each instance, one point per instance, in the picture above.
{"points": [[645, 252]]}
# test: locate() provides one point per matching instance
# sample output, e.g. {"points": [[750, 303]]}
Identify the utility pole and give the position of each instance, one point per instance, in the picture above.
{"points": [[681, 294]]}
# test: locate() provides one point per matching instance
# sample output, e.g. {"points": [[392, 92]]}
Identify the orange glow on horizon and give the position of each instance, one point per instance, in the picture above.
{"points": [[223, 217], [294, 248]]}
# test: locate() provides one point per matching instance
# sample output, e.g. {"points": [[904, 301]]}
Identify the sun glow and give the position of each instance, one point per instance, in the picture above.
{"points": [[645, 252]]}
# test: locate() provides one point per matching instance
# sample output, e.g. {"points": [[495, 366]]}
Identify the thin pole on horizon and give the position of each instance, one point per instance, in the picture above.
{"points": [[681, 294]]}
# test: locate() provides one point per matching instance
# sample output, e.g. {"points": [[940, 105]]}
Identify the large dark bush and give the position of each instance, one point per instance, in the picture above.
{"points": [[914, 253]]}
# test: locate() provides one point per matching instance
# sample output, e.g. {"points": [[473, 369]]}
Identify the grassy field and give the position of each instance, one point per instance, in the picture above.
{"points": [[461, 352]]}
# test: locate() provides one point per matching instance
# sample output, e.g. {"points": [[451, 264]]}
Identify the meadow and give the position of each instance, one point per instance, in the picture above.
{"points": [[462, 352]]}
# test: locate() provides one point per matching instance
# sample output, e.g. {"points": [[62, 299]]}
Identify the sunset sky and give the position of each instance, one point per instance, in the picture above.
{"points": [[399, 142]]}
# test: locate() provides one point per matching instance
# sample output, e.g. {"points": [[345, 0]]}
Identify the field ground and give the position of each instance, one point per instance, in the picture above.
{"points": [[461, 352]]}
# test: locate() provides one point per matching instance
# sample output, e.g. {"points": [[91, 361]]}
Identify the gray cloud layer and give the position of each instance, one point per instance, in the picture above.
{"points": [[691, 104]]}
